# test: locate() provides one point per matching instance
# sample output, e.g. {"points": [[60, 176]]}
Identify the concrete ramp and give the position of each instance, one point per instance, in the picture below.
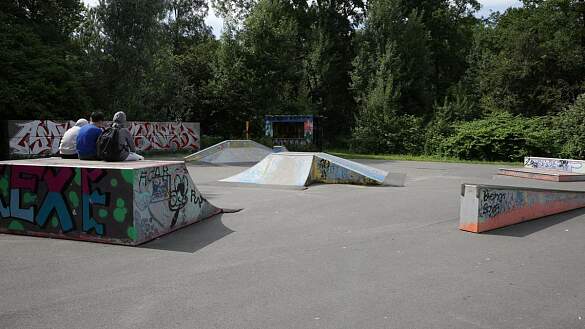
{"points": [[303, 169], [122, 203], [231, 151], [487, 207]]}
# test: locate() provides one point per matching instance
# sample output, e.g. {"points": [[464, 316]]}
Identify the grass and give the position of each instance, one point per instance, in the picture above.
{"points": [[406, 157]]}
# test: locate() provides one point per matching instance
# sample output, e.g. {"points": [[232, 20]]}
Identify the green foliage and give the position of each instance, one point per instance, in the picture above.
{"points": [[501, 137], [571, 126], [530, 60], [380, 128], [41, 67]]}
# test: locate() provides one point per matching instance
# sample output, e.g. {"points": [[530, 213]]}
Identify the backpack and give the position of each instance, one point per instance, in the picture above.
{"points": [[108, 145]]}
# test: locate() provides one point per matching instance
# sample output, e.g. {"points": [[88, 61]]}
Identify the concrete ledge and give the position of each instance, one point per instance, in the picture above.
{"points": [[125, 203], [487, 207], [543, 174], [566, 165]]}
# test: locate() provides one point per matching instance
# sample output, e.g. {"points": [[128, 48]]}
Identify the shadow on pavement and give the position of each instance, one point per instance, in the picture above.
{"points": [[193, 237], [526, 228]]}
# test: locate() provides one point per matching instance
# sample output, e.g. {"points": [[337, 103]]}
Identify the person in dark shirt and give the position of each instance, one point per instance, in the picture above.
{"points": [[87, 137]]}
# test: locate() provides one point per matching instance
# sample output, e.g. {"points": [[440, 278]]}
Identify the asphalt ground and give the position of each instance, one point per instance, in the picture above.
{"points": [[330, 256]]}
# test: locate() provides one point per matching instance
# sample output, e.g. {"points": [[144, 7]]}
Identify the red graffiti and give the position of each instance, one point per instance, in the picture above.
{"points": [[163, 136], [42, 137], [88, 175], [25, 177], [39, 137], [57, 182]]}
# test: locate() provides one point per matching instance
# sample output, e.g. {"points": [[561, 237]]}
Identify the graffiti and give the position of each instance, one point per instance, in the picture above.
{"points": [[165, 198], [494, 203], [555, 164], [42, 195], [179, 197], [127, 206], [39, 137], [42, 137], [323, 166], [164, 136]]}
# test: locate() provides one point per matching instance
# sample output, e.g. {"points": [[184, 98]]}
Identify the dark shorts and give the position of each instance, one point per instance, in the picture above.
{"points": [[68, 156]]}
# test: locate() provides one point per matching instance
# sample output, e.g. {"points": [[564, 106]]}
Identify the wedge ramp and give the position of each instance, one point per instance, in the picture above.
{"points": [[231, 151], [303, 169]]}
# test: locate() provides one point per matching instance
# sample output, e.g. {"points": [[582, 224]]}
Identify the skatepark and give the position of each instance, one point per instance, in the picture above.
{"points": [[326, 256]]}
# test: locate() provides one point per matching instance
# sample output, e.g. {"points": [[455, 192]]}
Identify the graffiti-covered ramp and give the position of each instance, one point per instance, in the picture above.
{"points": [[303, 169], [231, 151], [123, 203]]}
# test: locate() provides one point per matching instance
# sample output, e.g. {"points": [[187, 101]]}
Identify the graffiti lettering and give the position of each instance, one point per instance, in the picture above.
{"points": [[25, 185], [163, 136], [556, 164], [42, 137]]}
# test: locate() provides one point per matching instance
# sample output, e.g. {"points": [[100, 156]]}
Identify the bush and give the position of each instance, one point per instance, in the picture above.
{"points": [[502, 137], [207, 141], [389, 134]]}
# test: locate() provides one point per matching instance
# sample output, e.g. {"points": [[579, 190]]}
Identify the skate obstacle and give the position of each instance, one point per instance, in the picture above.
{"points": [[487, 207], [125, 203], [230, 152], [550, 169], [304, 168]]}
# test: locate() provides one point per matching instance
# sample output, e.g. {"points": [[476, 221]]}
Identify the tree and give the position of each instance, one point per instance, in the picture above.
{"points": [[529, 60], [41, 66]]}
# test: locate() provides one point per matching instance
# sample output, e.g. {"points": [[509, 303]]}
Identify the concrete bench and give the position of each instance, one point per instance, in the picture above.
{"points": [[487, 207], [122, 203]]}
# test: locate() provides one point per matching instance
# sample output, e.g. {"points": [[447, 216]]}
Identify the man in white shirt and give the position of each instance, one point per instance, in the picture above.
{"points": [[68, 146]]}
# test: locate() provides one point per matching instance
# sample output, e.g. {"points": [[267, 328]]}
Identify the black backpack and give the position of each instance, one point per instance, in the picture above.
{"points": [[108, 145]]}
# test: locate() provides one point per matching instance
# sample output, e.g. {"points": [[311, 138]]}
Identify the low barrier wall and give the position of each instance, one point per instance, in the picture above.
{"points": [[41, 138]]}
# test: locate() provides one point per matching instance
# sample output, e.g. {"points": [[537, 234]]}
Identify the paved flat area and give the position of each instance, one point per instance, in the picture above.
{"points": [[331, 256]]}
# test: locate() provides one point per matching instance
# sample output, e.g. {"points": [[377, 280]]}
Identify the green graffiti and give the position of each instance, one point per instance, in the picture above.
{"points": [[121, 211], [15, 226], [103, 213], [29, 197], [74, 198], [77, 178], [4, 186], [120, 214], [54, 221], [128, 175], [131, 233], [114, 182]]}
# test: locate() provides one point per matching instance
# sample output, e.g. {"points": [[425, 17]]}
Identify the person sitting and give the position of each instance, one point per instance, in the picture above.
{"points": [[126, 142], [68, 145], [87, 137]]}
